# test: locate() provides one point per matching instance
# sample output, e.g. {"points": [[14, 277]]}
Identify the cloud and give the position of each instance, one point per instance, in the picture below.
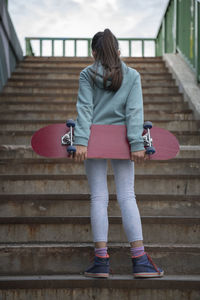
{"points": [[83, 18]]}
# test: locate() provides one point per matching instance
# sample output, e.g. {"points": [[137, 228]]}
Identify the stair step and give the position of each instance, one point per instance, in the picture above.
{"points": [[25, 151], [158, 67], [21, 125], [87, 58], [64, 90], [74, 83], [65, 76], [145, 184], [60, 114], [64, 205], [156, 230], [19, 137], [75, 287], [76, 71], [65, 166], [53, 105], [14, 98], [48, 258], [80, 65]]}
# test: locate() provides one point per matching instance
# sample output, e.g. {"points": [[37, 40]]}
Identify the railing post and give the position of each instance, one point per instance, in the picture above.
{"points": [[197, 40], [175, 25], [27, 46], [89, 47], [63, 47], [29, 50], [129, 44], [52, 47], [163, 37], [40, 47], [142, 48], [75, 47]]}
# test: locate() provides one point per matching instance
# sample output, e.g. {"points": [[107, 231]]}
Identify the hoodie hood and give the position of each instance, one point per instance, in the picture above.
{"points": [[99, 69]]}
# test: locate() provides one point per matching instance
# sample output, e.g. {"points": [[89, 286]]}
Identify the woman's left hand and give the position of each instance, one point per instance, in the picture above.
{"points": [[139, 156], [81, 153]]}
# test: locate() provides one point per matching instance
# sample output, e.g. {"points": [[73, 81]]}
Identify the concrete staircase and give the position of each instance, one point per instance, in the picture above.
{"points": [[45, 232]]}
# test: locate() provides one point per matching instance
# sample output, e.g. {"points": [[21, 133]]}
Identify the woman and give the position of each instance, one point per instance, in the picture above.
{"points": [[110, 93]]}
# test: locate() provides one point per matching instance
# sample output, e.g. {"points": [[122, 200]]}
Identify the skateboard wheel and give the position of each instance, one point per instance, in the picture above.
{"points": [[147, 125], [70, 123], [71, 149], [150, 150]]}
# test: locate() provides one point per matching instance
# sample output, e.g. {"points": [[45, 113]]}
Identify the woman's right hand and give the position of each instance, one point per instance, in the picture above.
{"points": [[139, 156], [81, 153]]}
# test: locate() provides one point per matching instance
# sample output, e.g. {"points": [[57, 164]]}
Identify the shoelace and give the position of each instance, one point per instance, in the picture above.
{"points": [[150, 259]]}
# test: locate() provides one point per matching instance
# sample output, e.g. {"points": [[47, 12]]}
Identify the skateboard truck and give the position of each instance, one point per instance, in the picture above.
{"points": [[147, 138], [67, 139]]}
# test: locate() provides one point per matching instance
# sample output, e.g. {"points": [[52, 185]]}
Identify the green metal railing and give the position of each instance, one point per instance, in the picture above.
{"points": [[130, 42], [180, 32]]}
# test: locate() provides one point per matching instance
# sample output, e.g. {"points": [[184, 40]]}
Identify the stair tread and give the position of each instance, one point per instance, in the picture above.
{"points": [[150, 111], [31, 132], [50, 121], [85, 220], [39, 160], [148, 246], [81, 176], [83, 197]]}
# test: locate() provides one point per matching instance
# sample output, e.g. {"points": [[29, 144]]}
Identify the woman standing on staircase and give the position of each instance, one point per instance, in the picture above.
{"points": [[110, 93]]}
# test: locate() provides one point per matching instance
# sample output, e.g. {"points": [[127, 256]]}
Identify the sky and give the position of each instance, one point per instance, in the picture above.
{"points": [[83, 18]]}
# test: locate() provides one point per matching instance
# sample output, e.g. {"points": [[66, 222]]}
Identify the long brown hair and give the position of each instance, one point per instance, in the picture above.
{"points": [[106, 48]]}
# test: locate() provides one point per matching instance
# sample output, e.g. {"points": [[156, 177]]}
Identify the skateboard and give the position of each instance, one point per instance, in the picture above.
{"points": [[106, 141]]}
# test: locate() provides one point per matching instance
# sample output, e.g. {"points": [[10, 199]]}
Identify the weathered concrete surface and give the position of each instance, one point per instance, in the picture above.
{"points": [[186, 81]]}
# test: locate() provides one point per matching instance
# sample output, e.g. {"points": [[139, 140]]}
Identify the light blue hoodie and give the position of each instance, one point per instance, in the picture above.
{"points": [[95, 105]]}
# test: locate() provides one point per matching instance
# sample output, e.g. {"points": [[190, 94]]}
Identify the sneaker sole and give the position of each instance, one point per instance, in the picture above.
{"points": [[148, 275], [96, 275]]}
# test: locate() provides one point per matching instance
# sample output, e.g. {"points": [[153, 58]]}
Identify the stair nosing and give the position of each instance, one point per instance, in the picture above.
{"points": [[84, 197], [86, 220]]}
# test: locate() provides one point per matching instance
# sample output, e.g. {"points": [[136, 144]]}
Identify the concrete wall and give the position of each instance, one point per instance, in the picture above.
{"points": [[10, 49], [186, 81]]}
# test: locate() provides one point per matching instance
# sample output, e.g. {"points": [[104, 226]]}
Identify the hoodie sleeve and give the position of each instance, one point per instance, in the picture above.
{"points": [[134, 116], [84, 108]]}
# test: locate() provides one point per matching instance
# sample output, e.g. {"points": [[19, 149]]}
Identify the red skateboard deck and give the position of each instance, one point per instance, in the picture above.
{"points": [[106, 141]]}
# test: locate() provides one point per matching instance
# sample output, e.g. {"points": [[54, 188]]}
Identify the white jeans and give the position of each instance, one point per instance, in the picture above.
{"points": [[96, 171]]}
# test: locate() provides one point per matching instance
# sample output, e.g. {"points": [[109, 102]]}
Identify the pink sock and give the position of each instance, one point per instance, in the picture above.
{"points": [[138, 251], [101, 252]]}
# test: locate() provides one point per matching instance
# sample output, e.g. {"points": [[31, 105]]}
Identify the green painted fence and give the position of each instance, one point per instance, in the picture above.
{"points": [[180, 32]]}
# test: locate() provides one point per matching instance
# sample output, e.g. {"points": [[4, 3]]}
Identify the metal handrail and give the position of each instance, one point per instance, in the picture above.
{"points": [[29, 49]]}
